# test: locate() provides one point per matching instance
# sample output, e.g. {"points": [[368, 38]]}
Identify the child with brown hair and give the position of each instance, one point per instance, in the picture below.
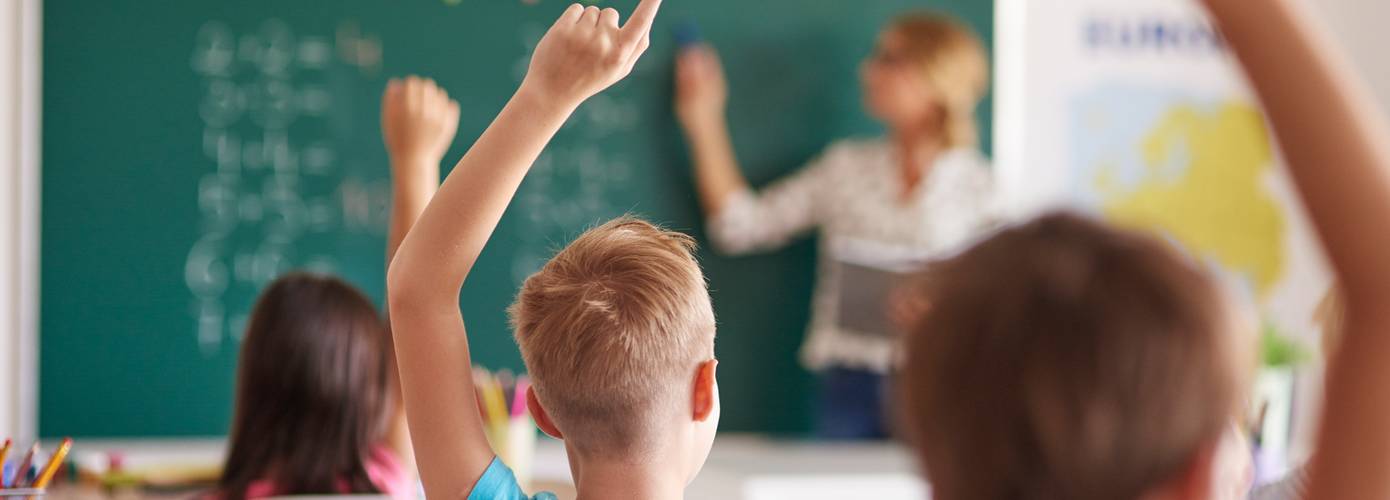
{"points": [[616, 330], [318, 408], [315, 405], [1066, 359]]}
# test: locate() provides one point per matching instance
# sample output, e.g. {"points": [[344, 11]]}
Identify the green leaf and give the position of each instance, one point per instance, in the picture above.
{"points": [[1278, 351]]}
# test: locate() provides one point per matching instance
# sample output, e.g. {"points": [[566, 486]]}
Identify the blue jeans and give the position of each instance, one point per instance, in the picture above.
{"points": [[851, 405]]}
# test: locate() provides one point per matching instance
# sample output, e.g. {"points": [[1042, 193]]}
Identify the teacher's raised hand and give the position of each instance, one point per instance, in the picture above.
{"points": [[702, 92]]}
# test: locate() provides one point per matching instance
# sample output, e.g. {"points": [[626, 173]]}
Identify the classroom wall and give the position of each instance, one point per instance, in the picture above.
{"points": [[9, 74], [1359, 26], [18, 25]]}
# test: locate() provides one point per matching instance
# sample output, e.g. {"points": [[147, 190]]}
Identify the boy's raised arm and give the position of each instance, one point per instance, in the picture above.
{"points": [[1335, 143], [585, 52]]}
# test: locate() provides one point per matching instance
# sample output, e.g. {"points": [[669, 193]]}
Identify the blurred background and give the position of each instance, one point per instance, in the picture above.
{"points": [[164, 159]]}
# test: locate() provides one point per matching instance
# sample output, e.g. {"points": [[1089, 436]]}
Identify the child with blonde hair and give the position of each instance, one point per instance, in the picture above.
{"points": [[616, 330], [922, 191]]}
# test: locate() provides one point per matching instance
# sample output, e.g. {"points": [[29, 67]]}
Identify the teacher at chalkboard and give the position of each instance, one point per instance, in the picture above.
{"points": [[921, 192]]}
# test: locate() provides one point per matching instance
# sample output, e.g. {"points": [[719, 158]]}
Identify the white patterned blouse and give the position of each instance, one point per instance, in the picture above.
{"points": [[853, 195]]}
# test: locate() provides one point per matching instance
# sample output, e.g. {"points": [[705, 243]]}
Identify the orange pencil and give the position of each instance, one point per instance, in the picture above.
{"points": [[58, 455], [22, 472], [5, 451]]}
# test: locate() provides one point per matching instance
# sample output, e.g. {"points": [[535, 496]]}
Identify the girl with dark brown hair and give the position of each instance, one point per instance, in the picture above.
{"points": [[318, 405], [314, 399]]}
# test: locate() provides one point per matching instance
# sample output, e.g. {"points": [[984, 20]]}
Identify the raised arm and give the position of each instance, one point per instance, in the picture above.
{"points": [[418, 122], [1335, 143], [738, 220], [701, 99], [583, 53]]}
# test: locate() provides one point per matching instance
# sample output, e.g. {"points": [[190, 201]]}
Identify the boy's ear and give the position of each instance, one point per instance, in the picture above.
{"points": [[706, 393], [538, 413]]}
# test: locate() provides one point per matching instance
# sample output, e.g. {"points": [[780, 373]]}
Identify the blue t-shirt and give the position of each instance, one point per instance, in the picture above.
{"points": [[498, 483]]}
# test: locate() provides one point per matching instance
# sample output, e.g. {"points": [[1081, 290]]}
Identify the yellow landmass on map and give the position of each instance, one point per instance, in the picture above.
{"points": [[1204, 187]]}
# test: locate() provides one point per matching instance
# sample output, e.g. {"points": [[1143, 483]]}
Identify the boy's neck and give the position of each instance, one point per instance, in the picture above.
{"points": [[656, 479]]}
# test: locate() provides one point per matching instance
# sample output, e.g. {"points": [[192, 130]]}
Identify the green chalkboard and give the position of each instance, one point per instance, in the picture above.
{"points": [[194, 150]]}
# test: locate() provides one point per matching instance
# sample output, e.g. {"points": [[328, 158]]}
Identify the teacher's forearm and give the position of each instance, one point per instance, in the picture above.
{"points": [[717, 174]]}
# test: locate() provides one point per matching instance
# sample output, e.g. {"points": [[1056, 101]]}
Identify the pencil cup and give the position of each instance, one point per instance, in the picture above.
{"points": [[22, 493]]}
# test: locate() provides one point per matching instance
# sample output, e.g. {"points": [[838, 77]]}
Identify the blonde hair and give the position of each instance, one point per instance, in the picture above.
{"points": [[613, 330], [954, 61]]}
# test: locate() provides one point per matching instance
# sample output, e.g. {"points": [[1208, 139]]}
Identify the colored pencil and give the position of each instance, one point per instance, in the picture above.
{"points": [[507, 380], [519, 398], [21, 473], [58, 455], [496, 406]]}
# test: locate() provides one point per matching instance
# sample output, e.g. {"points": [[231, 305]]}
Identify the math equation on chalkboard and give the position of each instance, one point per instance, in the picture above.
{"points": [[273, 187]]}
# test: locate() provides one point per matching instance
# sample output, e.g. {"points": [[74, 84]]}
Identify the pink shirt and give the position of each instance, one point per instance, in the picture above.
{"points": [[384, 469]]}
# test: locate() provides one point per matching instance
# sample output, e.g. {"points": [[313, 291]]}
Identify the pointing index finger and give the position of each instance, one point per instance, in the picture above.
{"points": [[640, 24]]}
